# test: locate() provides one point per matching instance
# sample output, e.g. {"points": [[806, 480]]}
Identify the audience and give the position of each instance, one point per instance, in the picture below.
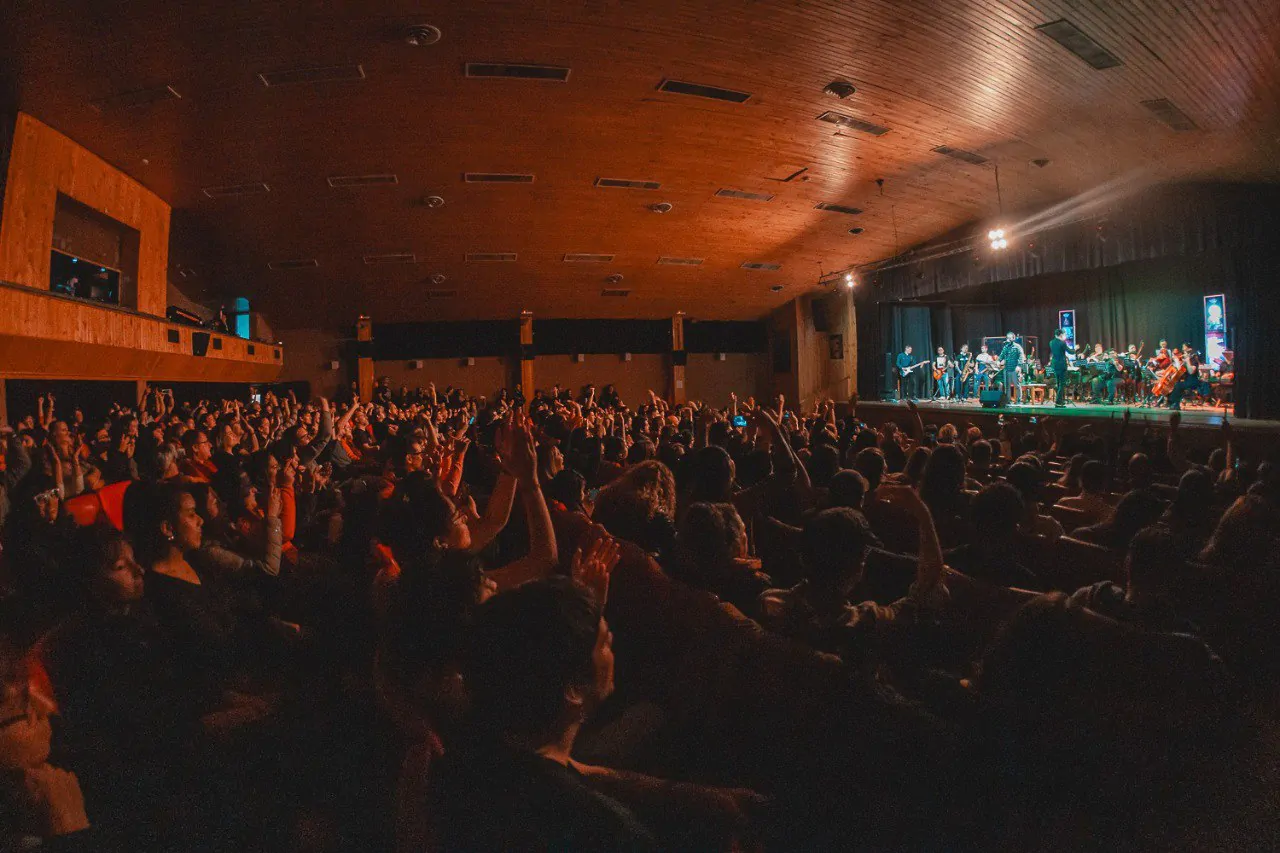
{"points": [[246, 616]]}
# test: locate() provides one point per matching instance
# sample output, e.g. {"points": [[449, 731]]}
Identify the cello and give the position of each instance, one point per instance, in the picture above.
{"points": [[1171, 375]]}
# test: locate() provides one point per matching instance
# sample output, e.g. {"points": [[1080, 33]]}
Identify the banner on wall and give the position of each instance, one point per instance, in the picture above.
{"points": [[1067, 322], [1215, 328]]}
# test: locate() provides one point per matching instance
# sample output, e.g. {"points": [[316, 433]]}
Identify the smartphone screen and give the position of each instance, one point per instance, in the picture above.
{"points": [[739, 421]]}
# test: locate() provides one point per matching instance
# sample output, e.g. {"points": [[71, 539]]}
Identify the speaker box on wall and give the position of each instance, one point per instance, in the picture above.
{"points": [[680, 358], [821, 314], [782, 354], [199, 343], [992, 398]]}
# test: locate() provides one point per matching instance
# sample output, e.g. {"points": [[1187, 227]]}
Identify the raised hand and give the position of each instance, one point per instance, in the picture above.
{"points": [[57, 797], [593, 565]]}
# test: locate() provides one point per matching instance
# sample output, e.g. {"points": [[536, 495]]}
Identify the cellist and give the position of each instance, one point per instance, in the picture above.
{"points": [[1189, 380]]}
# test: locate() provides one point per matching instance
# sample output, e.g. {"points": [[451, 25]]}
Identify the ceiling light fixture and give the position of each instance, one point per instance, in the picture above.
{"points": [[849, 280], [422, 35], [839, 89], [433, 201], [661, 207], [997, 238]]}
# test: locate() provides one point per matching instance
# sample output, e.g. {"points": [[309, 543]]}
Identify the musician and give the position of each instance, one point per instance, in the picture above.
{"points": [[1098, 355], [1190, 381], [942, 366], [986, 362], [964, 384], [1227, 366], [908, 375], [1013, 356], [1058, 364], [1161, 359]]}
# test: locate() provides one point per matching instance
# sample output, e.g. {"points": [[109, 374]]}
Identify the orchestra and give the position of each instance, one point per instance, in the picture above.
{"points": [[1098, 375]]}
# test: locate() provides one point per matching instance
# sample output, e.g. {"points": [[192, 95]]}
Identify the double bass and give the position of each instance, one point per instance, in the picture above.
{"points": [[1171, 375]]}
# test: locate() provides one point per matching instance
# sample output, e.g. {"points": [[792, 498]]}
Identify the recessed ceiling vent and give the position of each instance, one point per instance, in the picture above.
{"points": [[497, 70], [439, 293], [1167, 112], [746, 195], [760, 265], [491, 256], [680, 262], [324, 74], [496, 178], [236, 189], [586, 258], [620, 183], [958, 154], [616, 291], [837, 208], [391, 258], [1074, 39], [294, 264], [136, 98], [362, 180], [850, 123], [700, 91]]}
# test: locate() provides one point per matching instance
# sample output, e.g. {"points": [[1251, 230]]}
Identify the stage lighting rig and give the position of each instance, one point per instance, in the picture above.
{"points": [[997, 239]]}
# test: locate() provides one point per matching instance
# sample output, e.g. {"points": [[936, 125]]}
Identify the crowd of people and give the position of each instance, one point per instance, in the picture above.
{"points": [[438, 621]]}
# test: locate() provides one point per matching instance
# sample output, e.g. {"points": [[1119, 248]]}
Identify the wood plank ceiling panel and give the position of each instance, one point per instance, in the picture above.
{"points": [[972, 75]]}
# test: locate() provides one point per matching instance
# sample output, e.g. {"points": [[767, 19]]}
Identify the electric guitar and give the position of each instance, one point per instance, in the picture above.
{"points": [[906, 371]]}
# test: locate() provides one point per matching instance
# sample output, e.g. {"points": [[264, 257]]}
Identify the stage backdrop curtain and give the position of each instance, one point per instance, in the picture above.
{"points": [[907, 324], [971, 323]]}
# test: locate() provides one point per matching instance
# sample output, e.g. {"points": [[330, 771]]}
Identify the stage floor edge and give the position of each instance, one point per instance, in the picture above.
{"points": [[1202, 417]]}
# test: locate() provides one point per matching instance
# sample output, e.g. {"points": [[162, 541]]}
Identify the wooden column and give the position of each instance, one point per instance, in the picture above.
{"points": [[526, 354], [4, 403], [364, 357], [678, 357]]}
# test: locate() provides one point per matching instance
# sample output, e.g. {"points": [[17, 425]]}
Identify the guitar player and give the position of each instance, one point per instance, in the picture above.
{"points": [[910, 375]]}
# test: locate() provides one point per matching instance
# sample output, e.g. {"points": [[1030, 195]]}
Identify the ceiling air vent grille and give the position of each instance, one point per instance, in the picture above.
{"points": [[496, 178], [1074, 39], [761, 265], [746, 195], [294, 264], [440, 293], [323, 74], [620, 183], [236, 189], [491, 256], [699, 90], [586, 258], [516, 71], [136, 98], [958, 154], [680, 262], [362, 180], [842, 120], [391, 258], [1167, 112], [837, 208], [615, 291]]}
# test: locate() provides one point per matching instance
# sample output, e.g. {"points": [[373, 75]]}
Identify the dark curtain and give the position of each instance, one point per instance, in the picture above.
{"points": [[903, 325], [1253, 322], [971, 323], [941, 322]]}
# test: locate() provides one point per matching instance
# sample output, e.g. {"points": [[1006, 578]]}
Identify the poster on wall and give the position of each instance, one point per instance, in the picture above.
{"points": [[1215, 328], [1067, 322], [835, 344]]}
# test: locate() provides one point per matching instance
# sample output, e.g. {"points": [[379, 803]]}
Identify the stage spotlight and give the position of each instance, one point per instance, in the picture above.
{"points": [[848, 280], [998, 241]]}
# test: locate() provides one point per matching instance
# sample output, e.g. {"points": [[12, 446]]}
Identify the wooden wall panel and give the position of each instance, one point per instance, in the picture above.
{"points": [[42, 335], [633, 379], [484, 378], [44, 163], [712, 381]]}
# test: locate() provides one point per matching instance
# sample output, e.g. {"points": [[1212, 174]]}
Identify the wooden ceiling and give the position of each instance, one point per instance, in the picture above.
{"points": [[975, 76]]}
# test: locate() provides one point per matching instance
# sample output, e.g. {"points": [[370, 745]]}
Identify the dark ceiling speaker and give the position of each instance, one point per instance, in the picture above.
{"points": [[839, 89], [421, 35], [856, 231], [1040, 162], [615, 278], [777, 288], [433, 201], [437, 278], [661, 207]]}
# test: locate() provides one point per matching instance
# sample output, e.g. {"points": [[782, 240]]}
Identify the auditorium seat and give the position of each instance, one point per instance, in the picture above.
{"points": [[1069, 517], [1067, 564]]}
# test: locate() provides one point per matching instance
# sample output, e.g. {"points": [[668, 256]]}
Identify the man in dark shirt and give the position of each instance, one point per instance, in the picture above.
{"points": [[1190, 381], [908, 379], [1058, 362], [1012, 355], [541, 661]]}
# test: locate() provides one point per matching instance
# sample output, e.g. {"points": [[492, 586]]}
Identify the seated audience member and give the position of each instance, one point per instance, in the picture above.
{"points": [[1028, 479], [1190, 516], [994, 551], [1136, 510], [1071, 479], [1155, 570], [39, 803], [834, 547], [848, 489], [980, 453], [942, 490], [1092, 497], [711, 554]]}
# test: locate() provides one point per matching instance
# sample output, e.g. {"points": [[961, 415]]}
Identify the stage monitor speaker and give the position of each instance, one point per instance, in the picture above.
{"points": [[992, 398], [199, 343], [821, 314]]}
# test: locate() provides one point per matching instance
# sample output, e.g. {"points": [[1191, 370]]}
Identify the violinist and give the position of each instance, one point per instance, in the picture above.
{"points": [[1189, 380]]}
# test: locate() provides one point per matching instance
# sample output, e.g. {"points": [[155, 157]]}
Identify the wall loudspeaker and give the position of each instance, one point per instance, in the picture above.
{"points": [[579, 358], [333, 365], [992, 398], [471, 362], [416, 364]]}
